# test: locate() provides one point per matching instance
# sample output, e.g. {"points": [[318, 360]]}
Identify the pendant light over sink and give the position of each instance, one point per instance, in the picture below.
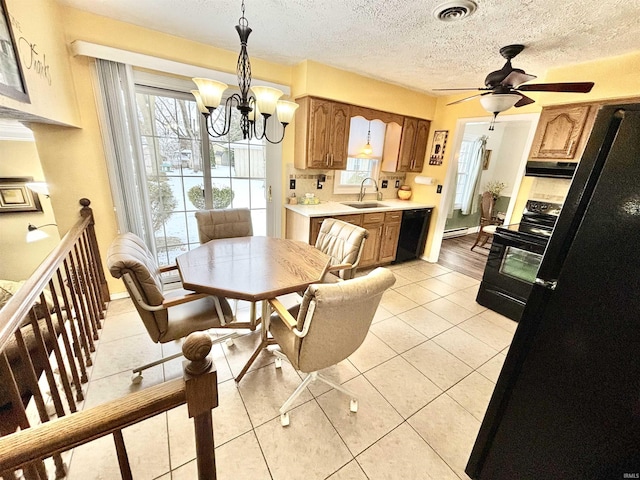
{"points": [[263, 104], [367, 150]]}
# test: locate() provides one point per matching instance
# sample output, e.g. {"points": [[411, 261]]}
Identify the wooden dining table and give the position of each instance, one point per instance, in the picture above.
{"points": [[252, 269]]}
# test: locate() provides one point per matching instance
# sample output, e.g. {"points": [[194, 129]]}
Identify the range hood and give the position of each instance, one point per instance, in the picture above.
{"points": [[551, 169]]}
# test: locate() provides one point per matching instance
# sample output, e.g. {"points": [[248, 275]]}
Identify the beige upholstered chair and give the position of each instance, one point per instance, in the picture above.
{"points": [[344, 243], [227, 223], [488, 222], [166, 317], [329, 325]]}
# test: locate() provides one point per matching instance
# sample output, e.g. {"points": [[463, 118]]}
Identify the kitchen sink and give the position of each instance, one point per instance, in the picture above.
{"points": [[365, 204]]}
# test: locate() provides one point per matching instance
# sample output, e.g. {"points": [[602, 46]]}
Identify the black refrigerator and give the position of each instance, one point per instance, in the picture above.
{"points": [[567, 402]]}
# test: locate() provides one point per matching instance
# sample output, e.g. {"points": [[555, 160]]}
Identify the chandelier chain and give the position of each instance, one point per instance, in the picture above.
{"points": [[243, 20]]}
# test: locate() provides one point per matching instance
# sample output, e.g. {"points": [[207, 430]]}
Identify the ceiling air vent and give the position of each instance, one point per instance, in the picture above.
{"points": [[454, 11]]}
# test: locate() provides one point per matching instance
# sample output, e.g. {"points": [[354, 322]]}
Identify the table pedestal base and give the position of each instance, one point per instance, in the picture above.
{"points": [[264, 342]]}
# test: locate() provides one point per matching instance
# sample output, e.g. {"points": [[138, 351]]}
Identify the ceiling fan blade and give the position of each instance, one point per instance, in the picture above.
{"points": [[524, 101], [468, 98], [570, 87], [452, 89], [515, 79]]}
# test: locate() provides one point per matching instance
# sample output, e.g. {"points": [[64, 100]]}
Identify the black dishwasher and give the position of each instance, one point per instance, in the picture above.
{"points": [[413, 234]]}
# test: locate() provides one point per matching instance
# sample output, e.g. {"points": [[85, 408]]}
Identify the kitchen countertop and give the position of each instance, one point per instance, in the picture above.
{"points": [[325, 209]]}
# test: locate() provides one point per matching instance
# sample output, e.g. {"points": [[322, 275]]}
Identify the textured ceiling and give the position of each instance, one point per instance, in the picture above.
{"points": [[398, 40]]}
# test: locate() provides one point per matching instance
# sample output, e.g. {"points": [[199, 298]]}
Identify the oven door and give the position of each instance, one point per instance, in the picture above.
{"points": [[511, 269]]}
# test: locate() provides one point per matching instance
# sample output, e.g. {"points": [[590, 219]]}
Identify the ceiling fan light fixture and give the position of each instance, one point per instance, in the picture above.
{"points": [[499, 102], [455, 10]]}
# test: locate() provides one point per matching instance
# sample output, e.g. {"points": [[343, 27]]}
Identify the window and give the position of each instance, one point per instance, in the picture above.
{"points": [[185, 174], [359, 166], [464, 164]]}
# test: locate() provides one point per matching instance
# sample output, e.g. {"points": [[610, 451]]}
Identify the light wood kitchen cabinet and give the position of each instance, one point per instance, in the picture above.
{"points": [[413, 146], [322, 134], [390, 235], [316, 222], [562, 132], [383, 227], [373, 223]]}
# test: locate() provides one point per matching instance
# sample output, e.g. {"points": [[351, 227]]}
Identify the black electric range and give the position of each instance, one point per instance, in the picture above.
{"points": [[516, 253]]}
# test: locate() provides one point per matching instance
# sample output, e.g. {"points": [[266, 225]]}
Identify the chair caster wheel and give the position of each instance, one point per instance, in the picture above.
{"points": [[353, 406], [284, 419], [278, 362], [136, 378], [229, 342]]}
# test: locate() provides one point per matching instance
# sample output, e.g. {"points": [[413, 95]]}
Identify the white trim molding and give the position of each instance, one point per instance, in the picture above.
{"points": [[94, 50], [15, 131]]}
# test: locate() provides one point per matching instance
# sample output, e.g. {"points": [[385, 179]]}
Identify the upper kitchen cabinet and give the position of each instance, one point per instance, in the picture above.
{"points": [[562, 132], [322, 134], [406, 146]]}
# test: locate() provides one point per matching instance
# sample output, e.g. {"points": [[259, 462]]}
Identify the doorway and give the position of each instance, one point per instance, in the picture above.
{"points": [[509, 144]]}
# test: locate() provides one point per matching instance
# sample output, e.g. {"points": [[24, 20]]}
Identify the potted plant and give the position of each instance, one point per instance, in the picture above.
{"points": [[495, 188]]}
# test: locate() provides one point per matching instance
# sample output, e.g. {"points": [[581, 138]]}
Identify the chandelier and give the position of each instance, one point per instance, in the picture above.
{"points": [[263, 103]]}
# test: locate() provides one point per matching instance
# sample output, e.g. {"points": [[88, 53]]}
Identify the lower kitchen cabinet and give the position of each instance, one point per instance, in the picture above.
{"points": [[373, 223], [380, 246], [390, 235]]}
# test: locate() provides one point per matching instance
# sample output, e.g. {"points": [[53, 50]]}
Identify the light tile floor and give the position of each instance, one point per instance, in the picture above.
{"points": [[424, 377]]}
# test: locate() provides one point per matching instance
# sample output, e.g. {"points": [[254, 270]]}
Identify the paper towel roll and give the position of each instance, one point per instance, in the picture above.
{"points": [[425, 180]]}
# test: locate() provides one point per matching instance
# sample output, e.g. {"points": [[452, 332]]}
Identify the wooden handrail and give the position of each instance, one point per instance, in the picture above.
{"points": [[18, 306], [70, 431], [62, 335]]}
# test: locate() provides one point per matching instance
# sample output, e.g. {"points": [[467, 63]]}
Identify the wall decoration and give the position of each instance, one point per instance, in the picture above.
{"points": [[437, 149], [485, 159], [12, 82], [15, 196]]}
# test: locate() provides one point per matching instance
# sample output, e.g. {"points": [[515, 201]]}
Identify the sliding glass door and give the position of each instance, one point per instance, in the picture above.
{"points": [[185, 173]]}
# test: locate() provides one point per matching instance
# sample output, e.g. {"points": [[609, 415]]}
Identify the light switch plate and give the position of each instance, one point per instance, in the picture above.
{"points": [[397, 183], [292, 184]]}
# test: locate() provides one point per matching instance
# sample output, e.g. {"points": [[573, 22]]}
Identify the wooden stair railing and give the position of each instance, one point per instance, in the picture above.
{"points": [[198, 389], [48, 331]]}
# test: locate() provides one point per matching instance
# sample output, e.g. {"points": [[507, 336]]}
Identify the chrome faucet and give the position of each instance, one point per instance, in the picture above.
{"points": [[363, 189]]}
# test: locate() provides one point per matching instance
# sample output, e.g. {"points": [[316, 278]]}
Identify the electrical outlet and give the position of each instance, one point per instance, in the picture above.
{"points": [[385, 183], [439, 189], [319, 185], [397, 183], [292, 184]]}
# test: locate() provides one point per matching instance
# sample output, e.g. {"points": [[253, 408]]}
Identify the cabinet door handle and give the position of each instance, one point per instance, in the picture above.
{"points": [[571, 146], [326, 159], [332, 159]]}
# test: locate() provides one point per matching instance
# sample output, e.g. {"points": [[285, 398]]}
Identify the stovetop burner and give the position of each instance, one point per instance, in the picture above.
{"points": [[539, 217], [539, 207]]}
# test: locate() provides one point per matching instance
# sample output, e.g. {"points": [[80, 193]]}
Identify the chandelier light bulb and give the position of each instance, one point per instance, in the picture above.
{"points": [[266, 99], [199, 103], [210, 91], [286, 111]]}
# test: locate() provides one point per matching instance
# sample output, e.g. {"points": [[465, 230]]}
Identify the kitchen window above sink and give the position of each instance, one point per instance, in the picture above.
{"points": [[360, 165]]}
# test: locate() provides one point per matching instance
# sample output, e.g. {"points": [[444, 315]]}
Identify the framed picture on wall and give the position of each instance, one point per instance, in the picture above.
{"points": [[15, 196], [12, 82], [486, 159], [438, 146]]}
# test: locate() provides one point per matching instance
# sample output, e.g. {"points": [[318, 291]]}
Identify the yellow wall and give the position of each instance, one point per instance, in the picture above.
{"points": [[312, 78], [46, 68], [19, 259]]}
